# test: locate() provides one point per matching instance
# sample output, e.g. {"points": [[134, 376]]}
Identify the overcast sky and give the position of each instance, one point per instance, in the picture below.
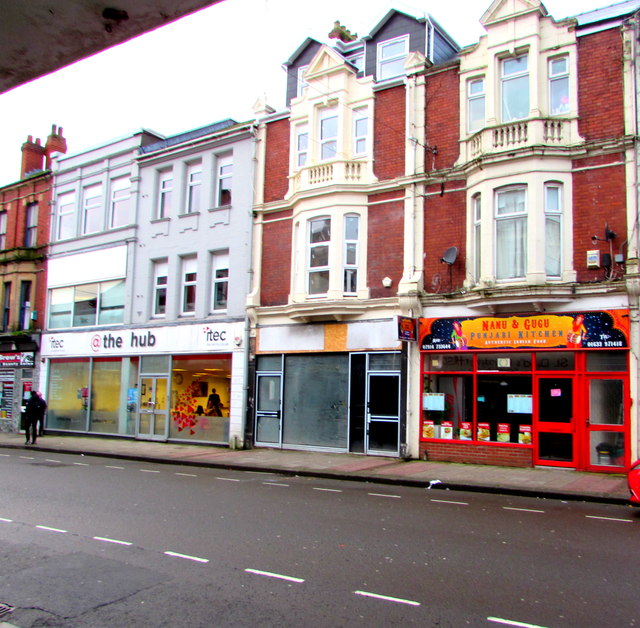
{"points": [[206, 67]]}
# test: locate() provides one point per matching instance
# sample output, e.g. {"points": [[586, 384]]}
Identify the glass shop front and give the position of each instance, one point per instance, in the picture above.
{"points": [[544, 389]]}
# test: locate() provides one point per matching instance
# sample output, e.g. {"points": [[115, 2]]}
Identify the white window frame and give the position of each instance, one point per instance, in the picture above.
{"points": [[351, 254], [315, 267], [92, 209], [194, 187], [476, 203], [160, 283], [120, 205], [476, 100], [511, 264], [3, 229], [387, 68], [559, 78], [553, 229], [508, 81], [66, 223], [189, 284], [301, 83], [219, 280], [328, 138], [31, 225], [302, 145], [360, 134], [165, 194], [224, 180]]}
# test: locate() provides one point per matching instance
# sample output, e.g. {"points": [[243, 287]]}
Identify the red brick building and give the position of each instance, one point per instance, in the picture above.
{"points": [[24, 236]]}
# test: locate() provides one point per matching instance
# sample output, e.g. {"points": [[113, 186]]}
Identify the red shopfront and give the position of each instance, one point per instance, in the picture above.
{"points": [[543, 389]]}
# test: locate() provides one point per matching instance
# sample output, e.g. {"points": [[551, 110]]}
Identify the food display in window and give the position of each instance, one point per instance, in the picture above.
{"points": [[428, 429], [524, 435], [446, 429], [465, 431], [483, 431], [504, 433]]}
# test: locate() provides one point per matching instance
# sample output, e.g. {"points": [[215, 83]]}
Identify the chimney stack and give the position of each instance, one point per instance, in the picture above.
{"points": [[55, 144], [32, 156]]}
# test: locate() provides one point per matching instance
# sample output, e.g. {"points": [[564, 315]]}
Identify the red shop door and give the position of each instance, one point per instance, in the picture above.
{"points": [[554, 423]]}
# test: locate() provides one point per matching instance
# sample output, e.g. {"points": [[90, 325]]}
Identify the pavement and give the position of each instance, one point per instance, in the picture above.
{"points": [[534, 482]]}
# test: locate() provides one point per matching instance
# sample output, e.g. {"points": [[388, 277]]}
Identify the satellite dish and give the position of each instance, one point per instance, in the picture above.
{"points": [[450, 255]]}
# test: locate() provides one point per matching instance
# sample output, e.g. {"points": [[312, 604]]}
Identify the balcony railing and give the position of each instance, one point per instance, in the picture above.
{"points": [[521, 134], [332, 173]]}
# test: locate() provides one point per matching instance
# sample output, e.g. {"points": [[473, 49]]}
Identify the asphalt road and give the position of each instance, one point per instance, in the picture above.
{"points": [[90, 541]]}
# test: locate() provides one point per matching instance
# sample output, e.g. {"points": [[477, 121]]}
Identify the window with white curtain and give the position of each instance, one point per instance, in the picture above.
{"points": [[553, 229], [515, 88], [559, 85], [511, 232]]}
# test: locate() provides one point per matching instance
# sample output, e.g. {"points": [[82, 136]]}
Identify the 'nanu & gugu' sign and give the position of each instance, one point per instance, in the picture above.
{"points": [[581, 330]]}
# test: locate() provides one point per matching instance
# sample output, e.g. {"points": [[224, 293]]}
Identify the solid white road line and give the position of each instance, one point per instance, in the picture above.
{"points": [[508, 622], [270, 574], [48, 529], [187, 475], [384, 495], [521, 509], [387, 598], [106, 540], [447, 501], [148, 471], [328, 490], [186, 556], [609, 519]]}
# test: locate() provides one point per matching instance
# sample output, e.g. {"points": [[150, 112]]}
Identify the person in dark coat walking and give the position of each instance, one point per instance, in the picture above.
{"points": [[33, 413]]}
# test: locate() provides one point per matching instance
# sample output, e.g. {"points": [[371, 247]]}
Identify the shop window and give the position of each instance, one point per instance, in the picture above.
{"points": [[475, 104], [449, 362], [60, 307], [391, 56], [104, 403], [31, 225], [66, 218], [189, 284], [220, 287], [224, 180], [165, 194], [511, 232], [200, 398], [160, 280], [87, 304], [447, 407], [92, 209], [559, 85], [68, 395], [504, 361], [384, 362], [318, 264], [606, 361], [606, 402], [553, 229], [328, 133], [120, 202], [194, 186], [351, 255], [606, 448], [515, 88], [302, 145], [555, 361]]}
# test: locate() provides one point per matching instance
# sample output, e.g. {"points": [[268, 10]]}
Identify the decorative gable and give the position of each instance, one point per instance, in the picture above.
{"points": [[326, 62], [507, 9]]}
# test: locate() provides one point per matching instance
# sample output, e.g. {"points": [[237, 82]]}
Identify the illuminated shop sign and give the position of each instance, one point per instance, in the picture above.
{"points": [[607, 329], [178, 339]]}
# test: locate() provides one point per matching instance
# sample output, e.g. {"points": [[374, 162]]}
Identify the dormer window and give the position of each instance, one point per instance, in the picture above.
{"points": [[391, 56], [328, 133], [515, 88]]}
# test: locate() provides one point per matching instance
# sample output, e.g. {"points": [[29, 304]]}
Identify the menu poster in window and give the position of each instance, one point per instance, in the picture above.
{"points": [[446, 429], [524, 435], [520, 404], [428, 429], [504, 432], [483, 431], [465, 431], [433, 401]]}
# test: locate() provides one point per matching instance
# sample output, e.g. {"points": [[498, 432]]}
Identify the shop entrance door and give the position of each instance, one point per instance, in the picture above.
{"points": [[153, 413], [269, 410], [605, 420], [383, 414], [555, 422]]}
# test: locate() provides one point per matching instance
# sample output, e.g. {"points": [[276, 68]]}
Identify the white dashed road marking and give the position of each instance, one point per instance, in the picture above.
{"points": [[387, 598], [116, 541], [274, 484], [112, 466], [384, 495], [48, 529], [148, 471], [447, 501], [228, 479], [81, 464], [278, 576], [509, 622], [609, 519], [187, 557], [187, 475], [521, 509], [328, 490], [6, 520]]}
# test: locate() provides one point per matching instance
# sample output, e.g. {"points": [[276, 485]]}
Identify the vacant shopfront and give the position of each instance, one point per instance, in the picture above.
{"points": [[546, 389]]}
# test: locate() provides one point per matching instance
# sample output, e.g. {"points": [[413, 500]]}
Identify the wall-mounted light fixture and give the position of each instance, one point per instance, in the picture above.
{"points": [[387, 282]]}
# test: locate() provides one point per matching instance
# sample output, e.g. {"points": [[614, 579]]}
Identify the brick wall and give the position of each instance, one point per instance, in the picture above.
{"points": [[497, 455], [444, 226], [600, 88], [385, 238], [276, 182], [276, 260], [599, 196], [389, 133], [442, 119]]}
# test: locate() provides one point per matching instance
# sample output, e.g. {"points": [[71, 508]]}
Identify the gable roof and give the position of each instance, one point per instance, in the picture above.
{"points": [[504, 9]]}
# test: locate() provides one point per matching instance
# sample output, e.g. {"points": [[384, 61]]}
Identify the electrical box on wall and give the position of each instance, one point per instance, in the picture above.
{"points": [[593, 259]]}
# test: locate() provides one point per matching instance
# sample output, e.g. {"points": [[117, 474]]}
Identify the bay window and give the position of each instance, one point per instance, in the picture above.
{"points": [[351, 228], [515, 88], [477, 235], [475, 104], [302, 145], [553, 229], [559, 85], [511, 232], [360, 131], [328, 133], [318, 260]]}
